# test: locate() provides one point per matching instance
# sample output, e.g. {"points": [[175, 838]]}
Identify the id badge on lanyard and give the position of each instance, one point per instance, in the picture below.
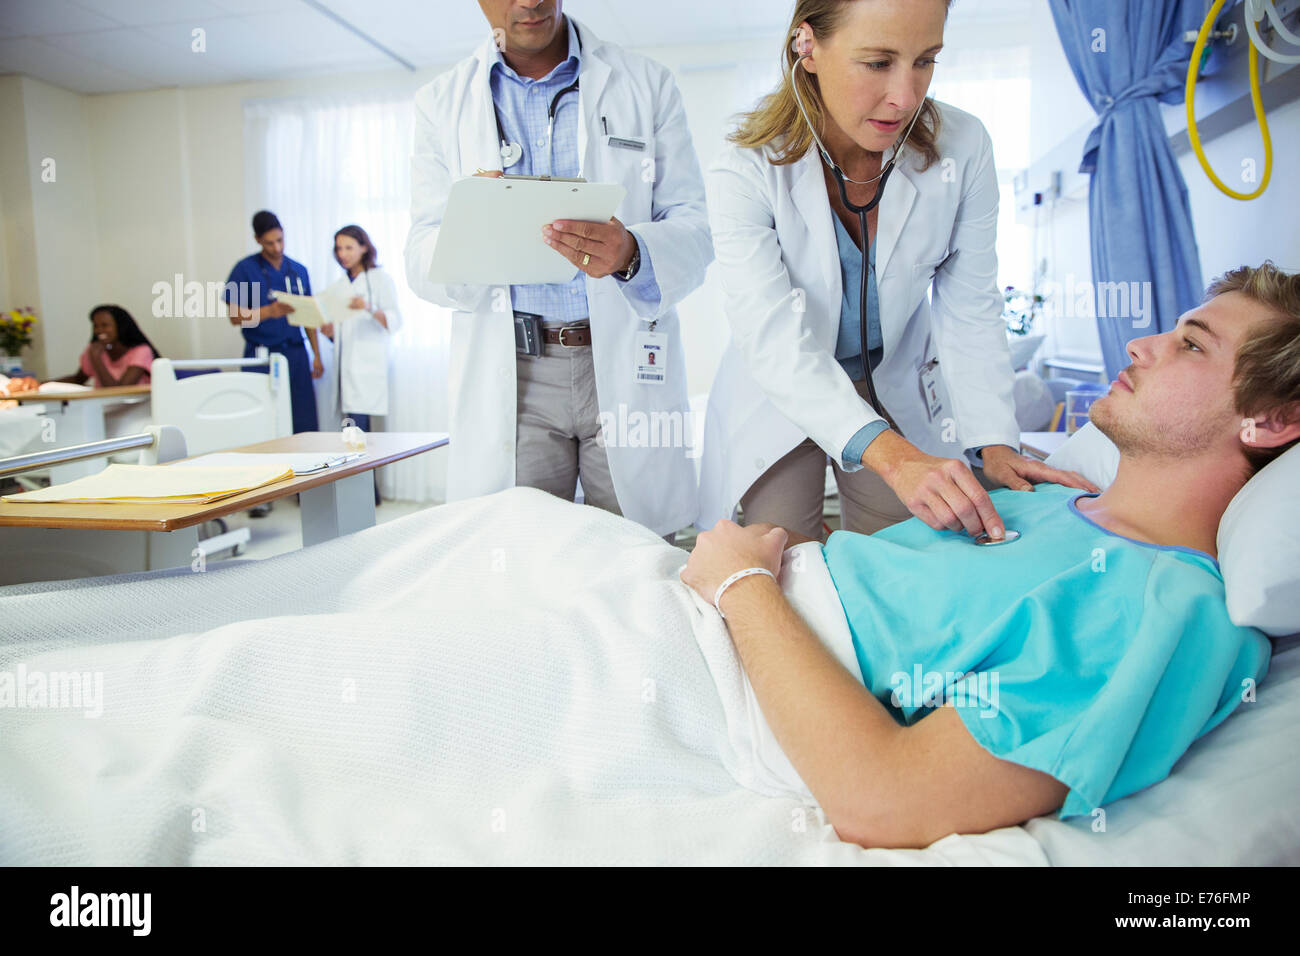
{"points": [[651, 357], [928, 380]]}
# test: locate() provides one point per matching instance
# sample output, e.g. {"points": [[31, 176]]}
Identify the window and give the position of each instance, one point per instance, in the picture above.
{"points": [[320, 164]]}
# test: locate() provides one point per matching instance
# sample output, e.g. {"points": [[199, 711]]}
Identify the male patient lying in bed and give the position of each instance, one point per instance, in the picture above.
{"points": [[1077, 663]]}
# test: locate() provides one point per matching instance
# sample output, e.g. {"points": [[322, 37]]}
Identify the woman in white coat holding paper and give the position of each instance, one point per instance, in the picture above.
{"points": [[788, 200], [361, 341]]}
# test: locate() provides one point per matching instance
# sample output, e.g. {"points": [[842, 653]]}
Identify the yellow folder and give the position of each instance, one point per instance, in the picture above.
{"points": [[159, 484]]}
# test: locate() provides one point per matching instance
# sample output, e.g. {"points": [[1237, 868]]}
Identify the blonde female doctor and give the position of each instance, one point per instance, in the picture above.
{"points": [[792, 389]]}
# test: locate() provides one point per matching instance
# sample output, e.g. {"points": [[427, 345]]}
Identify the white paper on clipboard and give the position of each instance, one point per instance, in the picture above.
{"points": [[309, 311], [491, 232]]}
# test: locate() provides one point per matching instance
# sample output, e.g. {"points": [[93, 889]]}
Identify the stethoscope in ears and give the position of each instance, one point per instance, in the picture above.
{"points": [[511, 152], [802, 44]]}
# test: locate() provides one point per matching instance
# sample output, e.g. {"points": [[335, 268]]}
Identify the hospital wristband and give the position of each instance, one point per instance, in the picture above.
{"points": [[717, 595]]}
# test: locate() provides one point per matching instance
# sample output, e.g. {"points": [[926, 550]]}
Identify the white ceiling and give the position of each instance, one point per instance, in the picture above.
{"points": [[112, 46]]}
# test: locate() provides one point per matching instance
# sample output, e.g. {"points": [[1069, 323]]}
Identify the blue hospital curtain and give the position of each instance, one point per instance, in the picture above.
{"points": [[1127, 57]]}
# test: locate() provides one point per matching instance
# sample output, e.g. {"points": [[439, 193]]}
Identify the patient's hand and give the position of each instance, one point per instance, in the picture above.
{"points": [[728, 548]]}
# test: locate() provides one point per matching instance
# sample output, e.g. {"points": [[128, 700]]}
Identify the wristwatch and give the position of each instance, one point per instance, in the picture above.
{"points": [[633, 266]]}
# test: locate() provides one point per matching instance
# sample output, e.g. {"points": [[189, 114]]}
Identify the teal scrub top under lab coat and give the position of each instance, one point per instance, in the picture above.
{"points": [[1074, 651]]}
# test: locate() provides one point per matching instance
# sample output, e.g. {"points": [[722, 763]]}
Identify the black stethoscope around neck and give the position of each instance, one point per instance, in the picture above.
{"points": [[511, 152], [862, 211]]}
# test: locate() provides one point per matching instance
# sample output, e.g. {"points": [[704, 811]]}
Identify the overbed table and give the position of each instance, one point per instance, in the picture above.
{"points": [[77, 418], [42, 542]]}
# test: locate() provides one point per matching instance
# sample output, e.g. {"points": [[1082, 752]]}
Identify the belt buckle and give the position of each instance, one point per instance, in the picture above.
{"points": [[571, 328]]}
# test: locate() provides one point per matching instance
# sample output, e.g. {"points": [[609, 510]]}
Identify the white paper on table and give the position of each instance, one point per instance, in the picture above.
{"points": [[54, 388], [302, 463]]}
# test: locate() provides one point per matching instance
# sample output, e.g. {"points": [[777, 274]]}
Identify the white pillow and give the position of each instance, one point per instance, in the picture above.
{"points": [[1259, 548], [1259, 536], [1090, 453], [1034, 402]]}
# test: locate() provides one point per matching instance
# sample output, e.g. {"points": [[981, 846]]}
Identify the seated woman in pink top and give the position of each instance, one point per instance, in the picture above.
{"points": [[118, 353]]}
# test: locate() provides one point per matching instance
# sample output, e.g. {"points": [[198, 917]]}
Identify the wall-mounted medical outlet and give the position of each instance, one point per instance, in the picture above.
{"points": [[1030, 194]]}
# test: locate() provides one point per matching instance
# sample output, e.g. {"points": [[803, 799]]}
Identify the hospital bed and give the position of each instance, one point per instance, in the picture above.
{"points": [[440, 689], [75, 415], [223, 410], [216, 404], [58, 553]]}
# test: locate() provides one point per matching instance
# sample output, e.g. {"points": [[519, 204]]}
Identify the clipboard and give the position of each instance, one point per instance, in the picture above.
{"points": [[491, 231], [309, 311]]}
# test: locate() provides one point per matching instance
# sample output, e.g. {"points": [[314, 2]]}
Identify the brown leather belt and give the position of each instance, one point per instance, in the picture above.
{"points": [[570, 336]]}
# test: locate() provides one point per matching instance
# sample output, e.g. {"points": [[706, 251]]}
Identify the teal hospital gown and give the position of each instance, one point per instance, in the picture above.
{"points": [[1074, 651]]}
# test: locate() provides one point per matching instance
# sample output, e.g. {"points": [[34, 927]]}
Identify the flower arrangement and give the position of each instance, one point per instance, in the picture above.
{"points": [[1019, 309], [16, 330]]}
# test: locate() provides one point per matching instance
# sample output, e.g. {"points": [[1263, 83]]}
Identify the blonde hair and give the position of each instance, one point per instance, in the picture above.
{"points": [[777, 122], [1266, 373]]}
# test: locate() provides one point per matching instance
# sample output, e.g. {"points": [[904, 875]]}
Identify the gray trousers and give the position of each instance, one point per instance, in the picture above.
{"points": [[557, 418], [791, 492], [557, 423]]}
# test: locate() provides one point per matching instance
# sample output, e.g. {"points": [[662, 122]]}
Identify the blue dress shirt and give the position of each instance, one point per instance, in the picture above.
{"points": [[523, 106], [848, 345]]}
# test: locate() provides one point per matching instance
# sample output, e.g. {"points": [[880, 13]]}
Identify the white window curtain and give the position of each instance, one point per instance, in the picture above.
{"points": [[993, 84], [323, 163]]}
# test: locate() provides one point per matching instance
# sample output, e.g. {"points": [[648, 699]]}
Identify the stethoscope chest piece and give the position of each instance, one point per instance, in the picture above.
{"points": [[984, 541], [511, 153]]}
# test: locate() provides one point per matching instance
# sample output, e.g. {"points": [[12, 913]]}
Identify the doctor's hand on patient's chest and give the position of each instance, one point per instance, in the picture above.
{"points": [[597, 248], [1010, 469], [727, 548], [942, 492]]}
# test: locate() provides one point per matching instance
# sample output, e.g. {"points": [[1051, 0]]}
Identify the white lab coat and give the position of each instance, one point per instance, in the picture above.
{"points": [[778, 381], [456, 134], [361, 343]]}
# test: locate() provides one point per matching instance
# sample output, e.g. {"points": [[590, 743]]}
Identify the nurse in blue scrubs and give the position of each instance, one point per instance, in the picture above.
{"points": [[263, 319]]}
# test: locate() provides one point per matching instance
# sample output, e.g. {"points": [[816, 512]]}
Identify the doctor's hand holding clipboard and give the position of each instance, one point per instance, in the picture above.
{"points": [[597, 248], [837, 204]]}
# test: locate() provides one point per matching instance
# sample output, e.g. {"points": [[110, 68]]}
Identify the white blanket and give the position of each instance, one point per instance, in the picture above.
{"points": [[513, 679]]}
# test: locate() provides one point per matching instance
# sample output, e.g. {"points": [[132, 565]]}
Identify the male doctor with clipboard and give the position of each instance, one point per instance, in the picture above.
{"points": [[545, 97]]}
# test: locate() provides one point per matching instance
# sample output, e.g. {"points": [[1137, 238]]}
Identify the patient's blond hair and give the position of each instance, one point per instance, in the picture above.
{"points": [[1266, 376], [776, 121]]}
